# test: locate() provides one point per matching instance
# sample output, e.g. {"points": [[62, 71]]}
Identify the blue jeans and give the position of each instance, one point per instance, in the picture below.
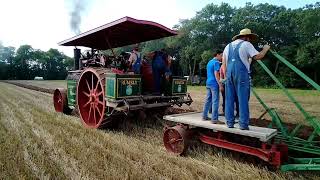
{"points": [[238, 89], [212, 99]]}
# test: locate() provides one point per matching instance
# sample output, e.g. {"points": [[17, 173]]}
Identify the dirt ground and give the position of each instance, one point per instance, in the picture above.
{"points": [[36, 142]]}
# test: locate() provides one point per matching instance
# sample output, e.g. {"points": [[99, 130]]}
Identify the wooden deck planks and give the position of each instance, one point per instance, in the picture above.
{"points": [[195, 119]]}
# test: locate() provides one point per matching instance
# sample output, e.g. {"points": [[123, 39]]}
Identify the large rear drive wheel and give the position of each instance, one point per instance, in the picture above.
{"points": [[91, 97]]}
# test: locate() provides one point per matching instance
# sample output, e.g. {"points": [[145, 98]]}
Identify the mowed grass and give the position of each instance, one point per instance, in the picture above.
{"points": [[36, 142]]}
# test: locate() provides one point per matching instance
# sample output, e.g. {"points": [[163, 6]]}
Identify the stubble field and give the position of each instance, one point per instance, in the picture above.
{"points": [[36, 142]]}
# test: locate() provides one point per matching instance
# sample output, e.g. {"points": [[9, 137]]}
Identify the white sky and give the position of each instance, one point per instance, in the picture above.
{"points": [[44, 23]]}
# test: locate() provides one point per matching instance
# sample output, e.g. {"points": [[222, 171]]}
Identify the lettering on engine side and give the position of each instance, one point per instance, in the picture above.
{"points": [[179, 82], [129, 82]]}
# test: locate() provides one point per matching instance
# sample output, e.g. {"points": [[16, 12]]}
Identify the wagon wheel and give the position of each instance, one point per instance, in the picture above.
{"points": [[60, 101], [175, 140], [91, 97]]}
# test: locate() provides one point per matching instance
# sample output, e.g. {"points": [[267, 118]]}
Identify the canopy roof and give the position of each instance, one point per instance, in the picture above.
{"points": [[122, 32]]}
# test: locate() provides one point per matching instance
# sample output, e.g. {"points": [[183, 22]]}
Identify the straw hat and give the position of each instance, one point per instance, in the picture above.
{"points": [[245, 32]]}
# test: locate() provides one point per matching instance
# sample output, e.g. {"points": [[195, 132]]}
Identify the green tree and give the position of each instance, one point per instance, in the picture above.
{"points": [[308, 57], [6, 59], [22, 61], [54, 65]]}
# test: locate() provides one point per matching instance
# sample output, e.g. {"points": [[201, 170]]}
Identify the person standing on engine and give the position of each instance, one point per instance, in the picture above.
{"points": [[161, 63], [213, 85], [135, 59], [236, 63]]}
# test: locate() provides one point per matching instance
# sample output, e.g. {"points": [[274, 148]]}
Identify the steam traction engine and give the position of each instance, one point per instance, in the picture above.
{"points": [[100, 87]]}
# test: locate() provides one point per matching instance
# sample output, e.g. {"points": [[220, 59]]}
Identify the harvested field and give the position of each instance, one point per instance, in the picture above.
{"points": [[36, 142], [274, 98], [43, 86]]}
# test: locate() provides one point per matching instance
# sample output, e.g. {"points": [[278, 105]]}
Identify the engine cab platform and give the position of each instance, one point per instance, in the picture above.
{"points": [[195, 119]]}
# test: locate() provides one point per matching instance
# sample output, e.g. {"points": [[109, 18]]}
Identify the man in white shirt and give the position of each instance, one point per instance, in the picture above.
{"points": [[135, 59], [237, 67]]}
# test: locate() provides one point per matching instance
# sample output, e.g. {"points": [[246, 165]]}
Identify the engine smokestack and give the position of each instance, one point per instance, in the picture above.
{"points": [[77, 54]]}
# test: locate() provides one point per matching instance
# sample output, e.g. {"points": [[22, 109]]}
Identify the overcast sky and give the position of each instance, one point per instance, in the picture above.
{"points": [[44, 23]]}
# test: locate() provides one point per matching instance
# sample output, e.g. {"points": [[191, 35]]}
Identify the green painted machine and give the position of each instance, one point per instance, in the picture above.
{"points": [[101, 87], [304, 152]]}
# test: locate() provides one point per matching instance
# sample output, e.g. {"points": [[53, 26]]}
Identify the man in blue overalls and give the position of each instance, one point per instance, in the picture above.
{"points": [[135, 59], [160, 68], [237, 67]]}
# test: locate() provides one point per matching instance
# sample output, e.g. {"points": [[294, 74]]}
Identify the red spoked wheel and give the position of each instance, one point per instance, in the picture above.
{"points": [[91, 97], [60, 101], [175, 140]]}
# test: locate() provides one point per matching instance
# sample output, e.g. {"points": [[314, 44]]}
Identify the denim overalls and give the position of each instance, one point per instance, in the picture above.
{"points": [[159, 68], [237, 84], [137, 64]]}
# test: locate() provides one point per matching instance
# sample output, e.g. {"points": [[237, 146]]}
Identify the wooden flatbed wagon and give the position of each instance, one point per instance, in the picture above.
{"points": [[257, 141]]}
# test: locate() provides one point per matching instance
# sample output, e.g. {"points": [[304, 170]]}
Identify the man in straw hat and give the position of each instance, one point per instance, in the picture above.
{"points": [[237, 67]]}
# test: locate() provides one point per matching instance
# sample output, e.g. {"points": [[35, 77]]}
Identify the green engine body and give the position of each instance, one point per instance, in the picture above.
{"points": [[122, 85], [119, 86], [176, 86], [72, 87]]}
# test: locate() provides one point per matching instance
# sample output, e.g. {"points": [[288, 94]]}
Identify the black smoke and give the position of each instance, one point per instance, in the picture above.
{"points": [[77, 8]]}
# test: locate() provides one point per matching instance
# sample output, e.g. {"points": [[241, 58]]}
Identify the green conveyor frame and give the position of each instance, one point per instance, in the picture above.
{"points": [[308, 146]]}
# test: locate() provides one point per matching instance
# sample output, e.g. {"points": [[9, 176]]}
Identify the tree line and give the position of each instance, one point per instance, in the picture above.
{"points": [[26, 63], [293, 33]]}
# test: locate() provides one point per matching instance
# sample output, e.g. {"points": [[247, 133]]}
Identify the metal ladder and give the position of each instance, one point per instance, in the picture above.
{"points": [[295, 144]]}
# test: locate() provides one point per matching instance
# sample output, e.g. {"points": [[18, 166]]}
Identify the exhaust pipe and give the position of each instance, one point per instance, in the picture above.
{"points": [[77, 55]]}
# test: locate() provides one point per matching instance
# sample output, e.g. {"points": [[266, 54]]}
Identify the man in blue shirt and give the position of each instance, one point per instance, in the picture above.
{"points": [[213, 86]]}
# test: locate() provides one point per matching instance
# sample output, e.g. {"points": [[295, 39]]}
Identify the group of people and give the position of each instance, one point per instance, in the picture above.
{"points": [[232, 79], [228, 72], [161, 63]]}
